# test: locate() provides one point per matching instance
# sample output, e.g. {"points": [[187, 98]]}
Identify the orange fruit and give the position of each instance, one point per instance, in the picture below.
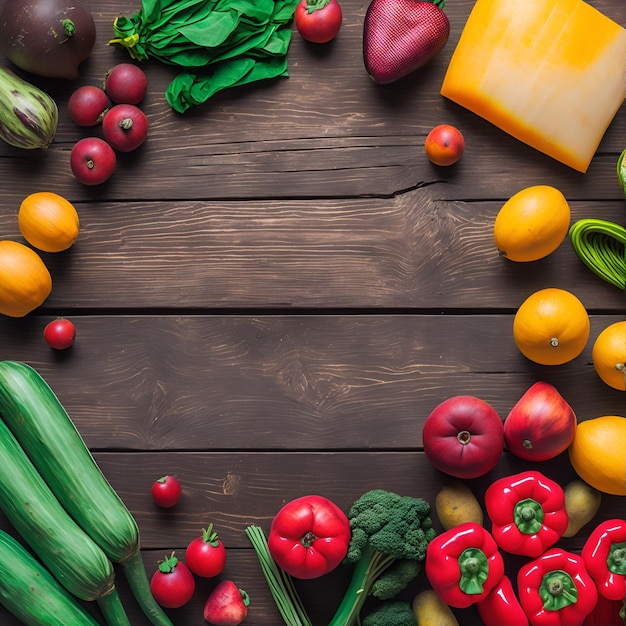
{"points": [[532, 223], [48, 221], [597, 453], [551, 327], [609, 355]]}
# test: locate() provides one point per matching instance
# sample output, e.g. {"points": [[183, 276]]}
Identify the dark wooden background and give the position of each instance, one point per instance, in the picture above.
{"points": [[273, 293]]}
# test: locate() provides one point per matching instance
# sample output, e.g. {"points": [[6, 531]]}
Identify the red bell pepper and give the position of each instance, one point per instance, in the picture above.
{"points": [[527, 512], [604, 554], [605, 613], [556, 589], [463, 565], [501, 607]]}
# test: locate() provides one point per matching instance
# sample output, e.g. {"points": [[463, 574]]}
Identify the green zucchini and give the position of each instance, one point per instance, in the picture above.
{"points": [[75, 560], [31, 593], [41, 424]]}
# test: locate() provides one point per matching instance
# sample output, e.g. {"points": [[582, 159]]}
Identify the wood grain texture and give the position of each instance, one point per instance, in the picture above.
{"points": [[273, 293]]}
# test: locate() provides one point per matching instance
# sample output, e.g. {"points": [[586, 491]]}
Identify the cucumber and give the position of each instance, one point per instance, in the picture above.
{"points": [[31, 593], [43, 428]]}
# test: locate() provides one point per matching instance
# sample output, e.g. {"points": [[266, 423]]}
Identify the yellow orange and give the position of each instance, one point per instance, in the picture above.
{"points": [[597, 453], [48, 221], [609, 355], [532, 223], [551, 327]]}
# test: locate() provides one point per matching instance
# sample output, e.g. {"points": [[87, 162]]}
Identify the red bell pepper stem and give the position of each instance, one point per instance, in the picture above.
{"points": [[556, 589], [527, 513], [501, 607], [463, 565], [604, 554]]}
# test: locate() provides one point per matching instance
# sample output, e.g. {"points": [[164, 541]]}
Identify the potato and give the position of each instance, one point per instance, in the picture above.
{"points": [[456, 504], [582, 502], [430, 610]]}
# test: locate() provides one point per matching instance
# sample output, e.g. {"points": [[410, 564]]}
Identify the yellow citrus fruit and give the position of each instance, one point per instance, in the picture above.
{"points": [[48, 221], [532, 223], [551, 327], [609, 355], [597, 453]]}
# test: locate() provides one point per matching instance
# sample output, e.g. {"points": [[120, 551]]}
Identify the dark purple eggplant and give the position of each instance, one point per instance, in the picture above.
{"points": [[47, 37]]}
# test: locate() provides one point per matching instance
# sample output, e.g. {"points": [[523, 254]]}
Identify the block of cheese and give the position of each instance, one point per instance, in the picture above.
{"points": [[551, 73]]}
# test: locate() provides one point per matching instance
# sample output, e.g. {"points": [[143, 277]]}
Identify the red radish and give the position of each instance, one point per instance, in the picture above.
{"points": [[87, 105], [400, 36], [227, 605], [125, 83], [166, 491], [125, 127], [172, 585], [92, 160], [206, 555], [59, 334]]}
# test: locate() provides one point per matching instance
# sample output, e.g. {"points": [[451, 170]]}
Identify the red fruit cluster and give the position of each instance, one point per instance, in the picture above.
{"points": [[114, 107], [173, 584]]}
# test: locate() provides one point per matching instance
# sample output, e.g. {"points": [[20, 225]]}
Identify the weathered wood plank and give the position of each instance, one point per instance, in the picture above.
{"points": [[285, 382], [413, 250]]}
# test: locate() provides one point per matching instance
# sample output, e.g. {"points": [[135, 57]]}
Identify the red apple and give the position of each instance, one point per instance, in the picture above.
{"points": [[92, 160], [125, 127], [463, 437], [541, 425], [444, 145], [87, 105]]}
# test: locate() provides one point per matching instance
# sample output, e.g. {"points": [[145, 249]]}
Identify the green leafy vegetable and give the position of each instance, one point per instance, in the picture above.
{"points": [[217, 43]]}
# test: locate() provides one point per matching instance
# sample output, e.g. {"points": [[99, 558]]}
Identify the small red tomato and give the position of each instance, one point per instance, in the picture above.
{"points": [[59, 334], [166, 491], [318, 21], [444, 145], [206, 555], [172, 585], [125, 83], [125, 127]]}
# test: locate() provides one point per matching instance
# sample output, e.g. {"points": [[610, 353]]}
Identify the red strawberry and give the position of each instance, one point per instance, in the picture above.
{"points": [[227, 605], [400, 36]]}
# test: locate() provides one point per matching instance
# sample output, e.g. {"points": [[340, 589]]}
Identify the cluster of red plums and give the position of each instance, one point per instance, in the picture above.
{"points": [[114, 107]]}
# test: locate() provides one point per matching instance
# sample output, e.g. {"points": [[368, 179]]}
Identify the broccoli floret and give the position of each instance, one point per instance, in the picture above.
{"points": [[386, 528], [391, 614], [395, 578]]}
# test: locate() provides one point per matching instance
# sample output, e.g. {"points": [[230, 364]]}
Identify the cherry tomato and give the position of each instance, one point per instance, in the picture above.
{"points": [[318, 21], [59, 334], [172, 585], [166, 491], [206, 555]]}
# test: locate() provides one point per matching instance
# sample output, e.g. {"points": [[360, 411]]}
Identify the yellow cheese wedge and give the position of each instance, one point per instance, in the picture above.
{"points": [[551, 73]]}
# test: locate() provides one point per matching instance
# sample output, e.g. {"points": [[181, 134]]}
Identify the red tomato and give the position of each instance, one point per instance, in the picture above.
{"points": [[463, 437], [318, 21], [166, 491], [172, 585], [206, 555], [309, 537], [59, 334]]}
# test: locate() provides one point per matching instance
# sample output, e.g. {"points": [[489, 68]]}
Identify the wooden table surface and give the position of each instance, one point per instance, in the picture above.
{"points": [[273, 293]]}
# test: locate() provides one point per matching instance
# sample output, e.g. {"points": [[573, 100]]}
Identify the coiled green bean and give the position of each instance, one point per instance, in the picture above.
{"points": [[601, 246]]}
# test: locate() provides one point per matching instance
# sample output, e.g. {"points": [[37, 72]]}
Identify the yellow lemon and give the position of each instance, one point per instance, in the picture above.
{"points": [[532, 224]]}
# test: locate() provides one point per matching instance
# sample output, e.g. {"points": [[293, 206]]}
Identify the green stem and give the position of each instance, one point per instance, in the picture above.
{"points": [[367, 569], [112, 609], [279, 582], [135, 573]]}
